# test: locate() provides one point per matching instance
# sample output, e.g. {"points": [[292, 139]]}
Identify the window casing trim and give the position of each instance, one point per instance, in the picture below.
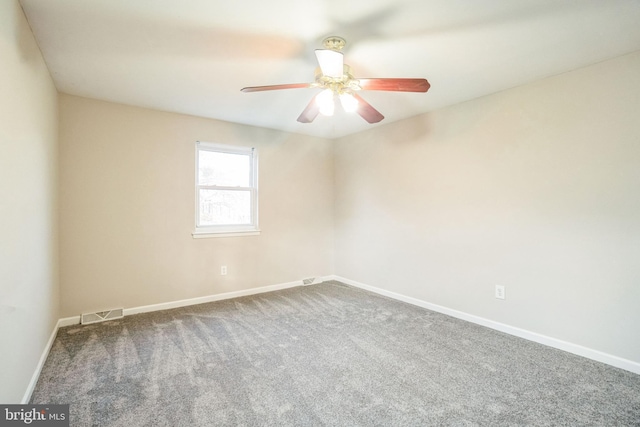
{"points": [[228, 230]]}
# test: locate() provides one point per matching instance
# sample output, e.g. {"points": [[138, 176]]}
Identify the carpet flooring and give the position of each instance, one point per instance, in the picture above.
{"points": [[323, 355]]}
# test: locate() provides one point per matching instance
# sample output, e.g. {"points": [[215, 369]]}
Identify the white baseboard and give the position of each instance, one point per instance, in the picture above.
{"points": [[210, 298], [579, 350], [40, 365], [68, 321]]}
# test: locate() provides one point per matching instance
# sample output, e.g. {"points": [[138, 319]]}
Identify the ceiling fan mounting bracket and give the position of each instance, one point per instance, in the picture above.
{"points": [[334, 43]]}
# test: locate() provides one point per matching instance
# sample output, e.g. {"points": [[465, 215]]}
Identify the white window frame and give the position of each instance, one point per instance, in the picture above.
{"points": [[230, 230]]}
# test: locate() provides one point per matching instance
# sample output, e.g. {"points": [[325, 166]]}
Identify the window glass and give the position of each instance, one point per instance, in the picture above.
{"points": [[220, 207], [223, 169]]}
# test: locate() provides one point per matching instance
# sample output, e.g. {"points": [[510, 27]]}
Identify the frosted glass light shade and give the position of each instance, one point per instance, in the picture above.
{"points": [[325, 102], [349, 102]]}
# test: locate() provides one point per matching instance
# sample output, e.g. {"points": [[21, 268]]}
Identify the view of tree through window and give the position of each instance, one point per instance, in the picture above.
{"points": [[219, 207]]}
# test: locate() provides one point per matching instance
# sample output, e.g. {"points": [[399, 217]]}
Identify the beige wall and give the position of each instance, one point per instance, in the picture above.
{"points": [[28, 231], [536, 188], [127, 208]]}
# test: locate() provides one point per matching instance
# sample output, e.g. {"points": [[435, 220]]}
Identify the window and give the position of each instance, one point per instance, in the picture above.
{"points": [[226, 190]]}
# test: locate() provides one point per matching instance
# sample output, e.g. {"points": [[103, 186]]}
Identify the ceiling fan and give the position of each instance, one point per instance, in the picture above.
{"points": [[336, 80]]}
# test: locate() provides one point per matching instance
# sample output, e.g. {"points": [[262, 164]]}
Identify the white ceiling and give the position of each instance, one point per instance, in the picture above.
{"points": [[194, 56]]}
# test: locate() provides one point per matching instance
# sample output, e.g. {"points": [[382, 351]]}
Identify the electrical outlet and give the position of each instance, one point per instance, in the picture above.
{"points": [[223, 270], [500, 292]]}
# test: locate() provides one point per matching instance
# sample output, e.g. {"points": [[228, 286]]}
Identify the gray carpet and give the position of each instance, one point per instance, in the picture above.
{"points": [[323, 355]]}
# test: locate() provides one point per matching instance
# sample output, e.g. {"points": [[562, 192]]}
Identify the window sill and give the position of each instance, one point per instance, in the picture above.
{"points": [[214, 234]]}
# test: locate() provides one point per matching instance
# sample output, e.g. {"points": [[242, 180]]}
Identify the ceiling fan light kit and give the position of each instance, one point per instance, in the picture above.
{"points": [[334, 77], [349, 102], [325, 102]]}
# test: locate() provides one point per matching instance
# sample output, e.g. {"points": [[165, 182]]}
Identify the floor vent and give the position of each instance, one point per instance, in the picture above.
{"points": [[101, 316], [308, 281]]}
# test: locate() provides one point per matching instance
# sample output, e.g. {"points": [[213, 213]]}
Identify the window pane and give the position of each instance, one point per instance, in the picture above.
{"points": [[223, 169], [225, 207]]}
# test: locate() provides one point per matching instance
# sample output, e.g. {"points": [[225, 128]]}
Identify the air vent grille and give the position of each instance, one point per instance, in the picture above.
{"points": [[101, 316]]}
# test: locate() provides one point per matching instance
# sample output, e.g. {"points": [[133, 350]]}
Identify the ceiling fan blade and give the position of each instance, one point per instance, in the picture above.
{"points": [[310, 112], [366, 111], [275, 87], [331, 62], [395, 85]]}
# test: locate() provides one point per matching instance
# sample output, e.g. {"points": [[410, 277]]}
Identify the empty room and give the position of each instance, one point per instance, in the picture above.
{"points": [[289, 213]]}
